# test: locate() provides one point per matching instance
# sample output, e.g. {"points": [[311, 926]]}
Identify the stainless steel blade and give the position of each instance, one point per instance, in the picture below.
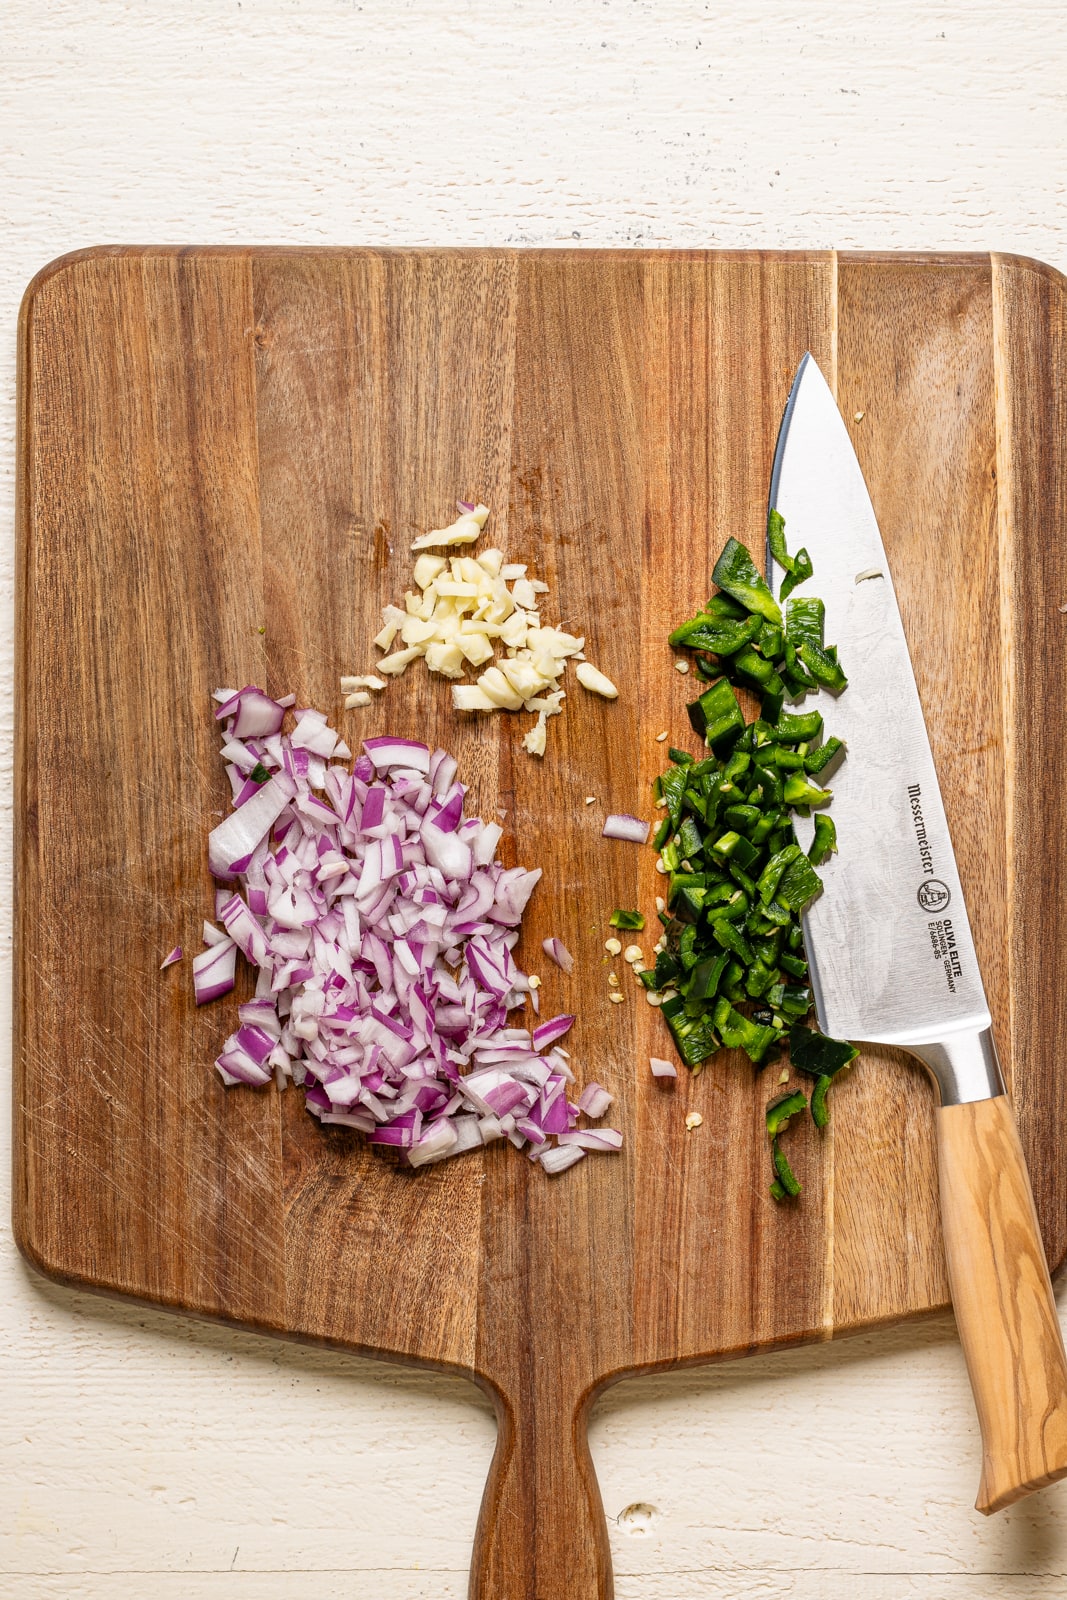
{"points": [[889, 943]]}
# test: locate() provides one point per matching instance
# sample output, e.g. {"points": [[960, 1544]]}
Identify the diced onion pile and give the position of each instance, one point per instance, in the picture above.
{"points": [[461, 613], [382, 926]]}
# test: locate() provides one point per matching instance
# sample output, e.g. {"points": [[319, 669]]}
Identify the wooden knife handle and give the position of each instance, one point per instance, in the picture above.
{"points": [[1002, 1296], [541, 1530]]}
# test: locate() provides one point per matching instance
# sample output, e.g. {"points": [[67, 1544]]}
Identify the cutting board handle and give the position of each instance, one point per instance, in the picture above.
{"points": [[541, 1531], [1002, 1296]]}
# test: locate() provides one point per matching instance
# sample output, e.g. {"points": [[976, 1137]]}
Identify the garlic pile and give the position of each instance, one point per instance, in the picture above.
{"points": [[462, 613]]}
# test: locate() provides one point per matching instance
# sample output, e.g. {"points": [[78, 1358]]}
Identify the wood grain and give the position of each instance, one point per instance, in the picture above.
{"points": [[1003, 1302], [215, 443]]}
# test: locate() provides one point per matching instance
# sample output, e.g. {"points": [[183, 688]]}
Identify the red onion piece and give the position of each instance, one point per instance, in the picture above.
{"points": [[231, 844], [622, 826], [548, 1032], [661, 1068], [169, 960], [594, 1100], [560, 1157], [592, 1138], [213, 971], [557, 951]]}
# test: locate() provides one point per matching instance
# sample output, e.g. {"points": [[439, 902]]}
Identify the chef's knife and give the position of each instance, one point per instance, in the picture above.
{"points": [[893, 961]]}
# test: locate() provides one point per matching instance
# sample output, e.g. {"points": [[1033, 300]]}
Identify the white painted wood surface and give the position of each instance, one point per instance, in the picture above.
{"points": [[147, 1455]]}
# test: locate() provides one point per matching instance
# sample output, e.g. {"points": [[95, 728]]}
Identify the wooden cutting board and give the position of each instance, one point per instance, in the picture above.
{"points": [[224, 457]]}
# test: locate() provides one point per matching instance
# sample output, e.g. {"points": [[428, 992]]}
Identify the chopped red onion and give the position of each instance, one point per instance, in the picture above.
{"points": [[560, 1157], [592, 1138], [661, 1068], [213, 971], [382, 926], [175, 955], [623, 826], [557, 951], [549, 1032], [594, 1100]]}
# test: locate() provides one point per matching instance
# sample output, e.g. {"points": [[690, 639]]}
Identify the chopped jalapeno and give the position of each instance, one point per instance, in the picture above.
{"points": [[733, 959], [628, 919]]}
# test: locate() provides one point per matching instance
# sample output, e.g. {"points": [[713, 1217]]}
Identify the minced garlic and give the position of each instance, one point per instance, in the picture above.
{"points": [[462, 615]]}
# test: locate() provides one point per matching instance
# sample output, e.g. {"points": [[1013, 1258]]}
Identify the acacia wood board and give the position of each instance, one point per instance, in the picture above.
{"points": [[224, 457]]}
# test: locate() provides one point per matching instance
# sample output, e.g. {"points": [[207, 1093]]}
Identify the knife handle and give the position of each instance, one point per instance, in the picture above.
{"points": [[1002, 1296]]}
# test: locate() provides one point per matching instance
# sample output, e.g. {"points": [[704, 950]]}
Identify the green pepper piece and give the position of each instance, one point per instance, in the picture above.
{"points": [[802, 571], [804, 621], [662, 834], [758, 979], [737, 766], [816, 1055], [824, 843], [690, 840], [826, 758], [647, 976], [820, 1110], [667, 969], [776, 540], [782, 1108], [771, 705], [742, 1033], [630, 920], [724, 933], [732, 982], [684, 879], [777, 1191], [694, 1038], [771, 875], [735, 909], [799, 884], [794, 965], [795, 1002], [719, 636], [743, 818], [704, 982], [786, 1179], [764, 828], [681, 758], [823, 668], [687, 947], [757, 671], [796, 681], [671, 856], [771, 641], [259, 773], [694, 804], [716, 713], [672, 784], [778, 914], [787, 760], [796, 729], [741, 853], [689, 904], [743, 881], [735, 572], [797, 791], [721, 605]]}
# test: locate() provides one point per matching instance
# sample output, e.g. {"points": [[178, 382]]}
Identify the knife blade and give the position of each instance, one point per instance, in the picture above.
{"points": [[893, 960]]}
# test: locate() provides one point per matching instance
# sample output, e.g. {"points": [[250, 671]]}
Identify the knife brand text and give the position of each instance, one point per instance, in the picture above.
{"points": [[946, 951], [925, 855]]}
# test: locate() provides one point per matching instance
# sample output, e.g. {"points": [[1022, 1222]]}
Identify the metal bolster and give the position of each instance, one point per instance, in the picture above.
{"points": [[964, 1066]]}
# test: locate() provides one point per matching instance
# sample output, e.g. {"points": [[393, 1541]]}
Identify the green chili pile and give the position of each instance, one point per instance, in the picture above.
{"points": [[731, 964]]}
